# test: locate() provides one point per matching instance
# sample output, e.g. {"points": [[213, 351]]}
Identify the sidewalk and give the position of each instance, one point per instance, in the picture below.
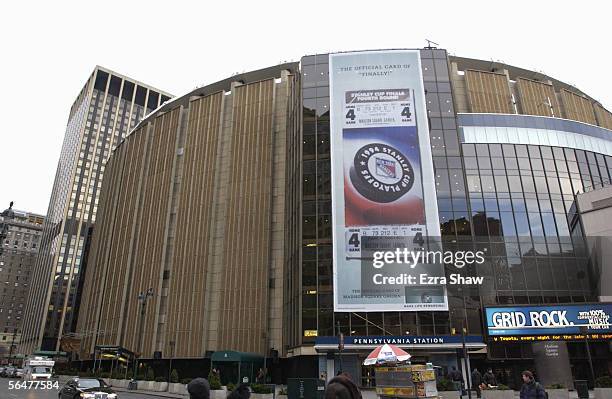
{"points": [[371, 394], [151, 393], [572, 395]]}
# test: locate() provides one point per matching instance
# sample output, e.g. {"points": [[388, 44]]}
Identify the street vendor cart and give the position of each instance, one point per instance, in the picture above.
{"points": [[397, 378]]}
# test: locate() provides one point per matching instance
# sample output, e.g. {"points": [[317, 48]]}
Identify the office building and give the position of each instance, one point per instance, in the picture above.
{"points": [[106, 109], [20, 243]]}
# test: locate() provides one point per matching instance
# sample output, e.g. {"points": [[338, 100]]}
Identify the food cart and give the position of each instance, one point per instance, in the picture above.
{"points": [[397, 378]]}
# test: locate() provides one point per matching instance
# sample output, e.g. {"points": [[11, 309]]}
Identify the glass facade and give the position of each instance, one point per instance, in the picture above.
{"points": [[508, 199], [489, 128], [533, 122], [109, 106], [316, 267]]}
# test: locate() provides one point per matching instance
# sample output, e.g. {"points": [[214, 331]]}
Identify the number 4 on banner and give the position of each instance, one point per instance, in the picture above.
{"points": [[418, 239], [406, 112], [351, 114]]}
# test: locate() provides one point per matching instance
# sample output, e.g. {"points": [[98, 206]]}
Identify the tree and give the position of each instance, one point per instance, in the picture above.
{"points": [[174, 377]]}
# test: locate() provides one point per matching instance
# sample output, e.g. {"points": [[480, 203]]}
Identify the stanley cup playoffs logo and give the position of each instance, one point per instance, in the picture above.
{"points": [[381, 173]]}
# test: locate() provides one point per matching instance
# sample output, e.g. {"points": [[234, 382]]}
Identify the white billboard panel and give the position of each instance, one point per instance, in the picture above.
{"points": [[383, 187]]}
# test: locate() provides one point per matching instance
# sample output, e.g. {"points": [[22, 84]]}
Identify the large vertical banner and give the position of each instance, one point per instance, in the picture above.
{"points": [[383, 190]]}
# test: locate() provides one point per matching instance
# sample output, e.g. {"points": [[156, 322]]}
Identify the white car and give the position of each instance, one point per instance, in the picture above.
{"points": [[86, 388]]}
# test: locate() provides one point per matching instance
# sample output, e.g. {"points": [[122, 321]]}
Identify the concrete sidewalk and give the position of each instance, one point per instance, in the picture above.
{"points": [[151, 393], [371, 394]]}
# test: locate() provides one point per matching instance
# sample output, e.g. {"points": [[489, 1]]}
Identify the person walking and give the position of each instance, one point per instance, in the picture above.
{"points": [[489, 378], [531, 389], [260, 376], [476, 381], [456, 377], [342, 387], [199, 388]]}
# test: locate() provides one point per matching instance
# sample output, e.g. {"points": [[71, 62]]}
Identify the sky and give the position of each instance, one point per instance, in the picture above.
{"points": [[49, 48]]}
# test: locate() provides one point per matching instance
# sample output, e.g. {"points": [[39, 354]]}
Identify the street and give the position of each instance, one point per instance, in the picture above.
{"points": [[7, 393]]}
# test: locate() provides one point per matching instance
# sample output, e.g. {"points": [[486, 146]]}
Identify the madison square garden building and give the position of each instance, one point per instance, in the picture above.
{"points": [[251, 211]]}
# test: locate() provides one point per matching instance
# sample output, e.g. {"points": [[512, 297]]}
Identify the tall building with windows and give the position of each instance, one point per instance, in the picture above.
{"points": [[106, 109], [21, 233], [221, 202]]}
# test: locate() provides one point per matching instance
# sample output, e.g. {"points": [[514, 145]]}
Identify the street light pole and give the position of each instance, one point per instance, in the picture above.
{"points": [[340, 347], [142, 298], [171, 356], [12, 346], [585, 331], [465, 359]]}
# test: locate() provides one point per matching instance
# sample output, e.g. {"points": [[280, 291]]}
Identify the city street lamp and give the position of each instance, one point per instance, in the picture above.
{"points": [[12, 346], [142, 298], [340, 346], [585, 330], [171, 343], [463, 360]]}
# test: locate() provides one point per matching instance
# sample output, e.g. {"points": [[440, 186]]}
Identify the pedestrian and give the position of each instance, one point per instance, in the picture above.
{"points": [[342, 387], [242, 391], [199, 388], [489, 378], [476, 381], [531, 389], [260, 376], [456, 377], [454, 374]]}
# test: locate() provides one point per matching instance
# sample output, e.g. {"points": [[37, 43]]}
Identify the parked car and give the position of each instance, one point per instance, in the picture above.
{"points": [[86, 388], [18, 373], [8, 372]]}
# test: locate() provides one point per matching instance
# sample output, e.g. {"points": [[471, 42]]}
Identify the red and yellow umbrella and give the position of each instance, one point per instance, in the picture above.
{"points": [[386, 354]]}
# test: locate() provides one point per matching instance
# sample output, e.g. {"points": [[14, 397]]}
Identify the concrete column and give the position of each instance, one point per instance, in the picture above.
{"points": [[331, 369], [552, 363]]}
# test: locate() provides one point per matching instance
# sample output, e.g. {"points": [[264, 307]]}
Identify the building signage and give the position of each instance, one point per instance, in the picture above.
{"points": [[102, 348], [543, 323], [400, 340], [383, 190], [113, 349]]}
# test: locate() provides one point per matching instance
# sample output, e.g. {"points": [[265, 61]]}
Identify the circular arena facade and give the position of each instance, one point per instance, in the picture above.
{"points": [[221, 202]]}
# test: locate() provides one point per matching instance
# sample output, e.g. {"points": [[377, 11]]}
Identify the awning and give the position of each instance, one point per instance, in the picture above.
{"points": [[451, 346], [114, 350], [441, 343], [234, 356], [49, 353]]}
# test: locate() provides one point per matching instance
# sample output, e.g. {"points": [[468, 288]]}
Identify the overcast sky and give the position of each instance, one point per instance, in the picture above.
{"points": [[49, 48]]}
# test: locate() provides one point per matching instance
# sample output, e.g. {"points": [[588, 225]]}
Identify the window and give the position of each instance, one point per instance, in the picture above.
{"points": [[101, 79], [153, 100]]}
